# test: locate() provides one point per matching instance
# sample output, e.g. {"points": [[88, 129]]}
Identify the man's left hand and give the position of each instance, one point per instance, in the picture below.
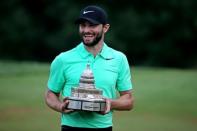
{"points": [[107, 107]]}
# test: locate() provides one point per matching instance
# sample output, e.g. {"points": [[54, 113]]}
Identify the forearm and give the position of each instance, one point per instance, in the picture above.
{"points": [[124, 102], [52, 100]]}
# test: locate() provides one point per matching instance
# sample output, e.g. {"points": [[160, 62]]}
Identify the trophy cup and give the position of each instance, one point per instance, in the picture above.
{"points": [[86, 97]]}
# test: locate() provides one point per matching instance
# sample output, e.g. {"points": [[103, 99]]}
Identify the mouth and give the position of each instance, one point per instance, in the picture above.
{"points": [[88, 36]]}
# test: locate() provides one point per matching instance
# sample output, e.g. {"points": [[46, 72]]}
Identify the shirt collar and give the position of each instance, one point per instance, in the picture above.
{"points": [[82, 51], [106, 52]]}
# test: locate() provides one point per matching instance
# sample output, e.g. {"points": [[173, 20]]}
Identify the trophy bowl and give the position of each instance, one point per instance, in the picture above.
{"points": [[86, 96]]}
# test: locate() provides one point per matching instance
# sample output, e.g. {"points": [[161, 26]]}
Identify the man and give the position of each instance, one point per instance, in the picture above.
{"points": [[110, 68]]}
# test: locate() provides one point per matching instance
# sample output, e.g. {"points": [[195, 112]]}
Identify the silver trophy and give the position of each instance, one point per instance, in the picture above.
{"points": [[86, 97]]}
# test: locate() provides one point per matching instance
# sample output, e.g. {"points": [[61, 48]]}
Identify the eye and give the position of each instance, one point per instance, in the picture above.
{"points": [[92, 25], [82, 25]]}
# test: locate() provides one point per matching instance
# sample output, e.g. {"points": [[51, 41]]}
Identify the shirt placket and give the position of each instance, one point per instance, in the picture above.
{"points": [[92, 61]]}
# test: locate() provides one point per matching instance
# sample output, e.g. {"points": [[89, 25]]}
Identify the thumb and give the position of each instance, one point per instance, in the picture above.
{"points": [[108, 105]]}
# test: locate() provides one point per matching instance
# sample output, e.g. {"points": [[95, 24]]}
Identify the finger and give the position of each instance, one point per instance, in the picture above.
{"points": [[107, 107], [65, 99], [65, 103], [68, 111], [64, 107]]}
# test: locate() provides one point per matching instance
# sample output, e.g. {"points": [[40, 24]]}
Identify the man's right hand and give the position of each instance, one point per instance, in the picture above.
{"points": [[63, 106]]}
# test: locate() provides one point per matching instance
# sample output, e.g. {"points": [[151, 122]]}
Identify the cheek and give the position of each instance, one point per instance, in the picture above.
{"points": [[80, 33], [80, 30], [98, 31]]}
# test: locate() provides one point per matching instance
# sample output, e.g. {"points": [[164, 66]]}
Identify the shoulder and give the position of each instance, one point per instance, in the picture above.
{"points": [[67, 55], [118, 57], [64, 59], [116, 53]]}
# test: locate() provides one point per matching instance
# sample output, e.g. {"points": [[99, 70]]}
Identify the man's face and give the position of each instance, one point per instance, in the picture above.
{"points": [[90, 34]]}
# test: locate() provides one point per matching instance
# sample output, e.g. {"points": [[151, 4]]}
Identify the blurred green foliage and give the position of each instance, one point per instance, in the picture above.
{"points": [[149, 32]]}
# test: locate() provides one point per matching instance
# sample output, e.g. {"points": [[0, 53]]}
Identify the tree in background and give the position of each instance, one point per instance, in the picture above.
{"points": [[154, 33]]}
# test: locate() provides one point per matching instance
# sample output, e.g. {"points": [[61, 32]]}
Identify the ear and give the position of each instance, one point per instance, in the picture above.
{"points": [[106, 27]]}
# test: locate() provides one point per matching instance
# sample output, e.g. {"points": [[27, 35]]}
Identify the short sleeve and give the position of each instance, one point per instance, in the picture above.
{"points": [[56, 76], [124, 75]]}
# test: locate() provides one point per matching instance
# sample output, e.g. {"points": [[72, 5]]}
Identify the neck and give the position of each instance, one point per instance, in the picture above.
{"points": [[95, 49]]}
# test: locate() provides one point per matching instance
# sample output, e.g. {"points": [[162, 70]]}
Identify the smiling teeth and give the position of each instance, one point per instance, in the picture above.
{"points": [[88, 35]]}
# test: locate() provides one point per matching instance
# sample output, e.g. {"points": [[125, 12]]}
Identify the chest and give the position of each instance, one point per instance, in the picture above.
{"points": [[105, 72]]}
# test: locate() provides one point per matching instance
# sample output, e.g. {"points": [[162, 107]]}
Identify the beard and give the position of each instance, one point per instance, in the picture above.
{"points": [[94, 42]]}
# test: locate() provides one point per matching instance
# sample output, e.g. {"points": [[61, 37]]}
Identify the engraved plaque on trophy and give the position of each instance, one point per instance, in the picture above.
{"points": [[86, 97]]}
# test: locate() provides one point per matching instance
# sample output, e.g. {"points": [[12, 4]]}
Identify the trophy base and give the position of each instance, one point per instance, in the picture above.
{"points": [[84, 104]]}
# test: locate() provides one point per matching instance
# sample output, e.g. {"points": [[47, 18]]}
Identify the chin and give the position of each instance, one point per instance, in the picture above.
{"points": [[87, 42]]}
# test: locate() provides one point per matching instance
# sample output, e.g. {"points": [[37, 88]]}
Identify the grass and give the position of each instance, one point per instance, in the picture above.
{"points": [[165, 100], [22, 87]]}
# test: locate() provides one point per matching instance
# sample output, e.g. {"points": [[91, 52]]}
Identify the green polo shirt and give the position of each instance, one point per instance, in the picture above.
{"points": [[111, 73]]}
